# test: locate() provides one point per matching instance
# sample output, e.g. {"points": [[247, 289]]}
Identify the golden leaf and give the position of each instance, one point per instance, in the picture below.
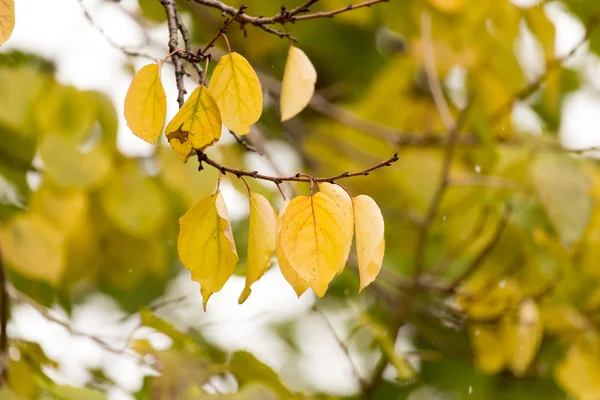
{"points": [[34, 247], [312, 239], [344, 202], [298, 85], [298, 284], [261, 241], [197, 125], [237, 92], [522, 335], [206, 245], [578, 372], [7, 19], [146, 104], [370, 241]]}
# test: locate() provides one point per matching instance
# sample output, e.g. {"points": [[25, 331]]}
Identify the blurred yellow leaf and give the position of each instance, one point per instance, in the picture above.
{"points": [[134, 203], [206, 245], [261, 241], [522, 335], [579, 370], [488, 347], [237, 91], [298, 85], [146, 104], [370, 241], [197, 124], [34, 248], [542, 28], [344, 203], [298, 284], [7, 19], [313, 240], [450, 6]]}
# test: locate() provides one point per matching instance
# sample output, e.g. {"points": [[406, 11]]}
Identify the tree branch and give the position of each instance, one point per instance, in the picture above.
{"points": [[174, 22]]}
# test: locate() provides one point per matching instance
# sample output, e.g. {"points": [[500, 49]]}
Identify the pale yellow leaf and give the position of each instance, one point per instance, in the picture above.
{"points": [[449, 6], [7, 19], [206, 245], [370, 241], [298, 284], [578, 372], [298, 85], [312, 239], [146, 104], [237, 92], [488, 347], [261, 241], [522, 335], [344, 202], [197, 125], [34, 247]]}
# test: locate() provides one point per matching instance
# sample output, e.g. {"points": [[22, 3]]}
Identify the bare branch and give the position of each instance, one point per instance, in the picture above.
{"points": [[173, 22], [329, 14]]}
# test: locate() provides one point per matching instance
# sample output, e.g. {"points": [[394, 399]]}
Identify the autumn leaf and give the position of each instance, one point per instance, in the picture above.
{"points": [[298, 284], [370, 241], [7, 19], [146, 104], [206, 245], [577, 373], [197, 125], [237, 92], [261, 241], [344, 202], [312, 239], [298, 85], [522, 335], [34, 247]]}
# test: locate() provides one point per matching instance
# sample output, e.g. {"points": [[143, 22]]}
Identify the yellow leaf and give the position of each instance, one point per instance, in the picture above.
{"points": [[197, 125], [34, 248], [344, 202], [522, 335], [370, 242], [7, 19], [146, 104], [206, 245], [261, 241], [298, 86], [449, 6], [237, 92], [298, 284], [312, 239], [488, 347], [578, 372]]}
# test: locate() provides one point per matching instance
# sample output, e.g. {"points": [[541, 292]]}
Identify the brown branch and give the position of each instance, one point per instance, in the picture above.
{"points": [[438, 196], [330, 14], [295, 178], [173, 22], [4, 311], [480, 258], [185, 34], [223, 30]]}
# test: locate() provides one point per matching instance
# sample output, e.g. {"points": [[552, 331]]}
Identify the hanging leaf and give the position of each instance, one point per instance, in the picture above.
{"points": [[197, 125], [298, 85], [261, 241], [344, 202], [7, 19], [370, 241], [237, 92], [206, 245], [313, 240], [146, 104], [522, 336], [298, 284]]}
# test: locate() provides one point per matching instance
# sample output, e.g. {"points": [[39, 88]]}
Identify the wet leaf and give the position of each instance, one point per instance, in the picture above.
{"points": [[237, 91], [370, 241], [146, 104], [206, 245], [298, 83], [261, 241], [312, 239]]}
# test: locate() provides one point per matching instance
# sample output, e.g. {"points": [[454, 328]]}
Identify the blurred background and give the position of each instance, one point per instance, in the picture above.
{"points": [[489, 290]]}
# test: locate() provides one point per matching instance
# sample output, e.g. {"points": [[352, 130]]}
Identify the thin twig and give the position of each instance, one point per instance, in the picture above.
{"points": [[330, 14], [202, 157], [361, 381], [431, 72], [241, 140], [4, 311], [173, 22], [185, 34]]}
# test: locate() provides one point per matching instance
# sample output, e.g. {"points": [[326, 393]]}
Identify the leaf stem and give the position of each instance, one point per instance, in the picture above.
{"points": [[226, 41]]}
